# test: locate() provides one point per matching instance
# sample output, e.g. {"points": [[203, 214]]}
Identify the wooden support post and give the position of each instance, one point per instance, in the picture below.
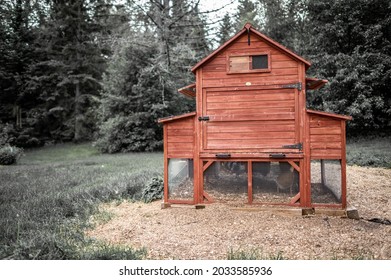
{"points": [[207, 165], [250, 181], [165, 179], [294, 165], [295, 198], [343, 165], [208, 197]]}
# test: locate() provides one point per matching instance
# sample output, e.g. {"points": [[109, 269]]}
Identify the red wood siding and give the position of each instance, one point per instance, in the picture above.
{"points": [[249, 119], [180, 138], [325, 137], [284, 69]]}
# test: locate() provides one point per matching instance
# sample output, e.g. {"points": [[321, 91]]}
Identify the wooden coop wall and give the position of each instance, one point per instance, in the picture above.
{"points": [[179, 138], [283, 69], [326, 137]]}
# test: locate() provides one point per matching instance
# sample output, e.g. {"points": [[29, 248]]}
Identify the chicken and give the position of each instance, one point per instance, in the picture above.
{"points": [[286, 180]]}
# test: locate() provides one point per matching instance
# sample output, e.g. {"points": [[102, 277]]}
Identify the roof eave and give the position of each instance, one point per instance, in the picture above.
{"points": [[331, 115], [174, 118]]}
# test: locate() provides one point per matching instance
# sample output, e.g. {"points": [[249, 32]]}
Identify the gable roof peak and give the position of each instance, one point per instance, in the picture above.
{"points": [[247, 25], [247, 29]]}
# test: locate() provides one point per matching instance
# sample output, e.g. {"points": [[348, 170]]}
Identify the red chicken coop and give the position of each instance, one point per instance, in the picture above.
{"points": [[252, 140]]}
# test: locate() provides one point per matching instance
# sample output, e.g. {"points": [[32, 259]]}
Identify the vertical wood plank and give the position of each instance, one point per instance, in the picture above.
{"points": [[343, 164], [305, 167], [165, 152], [203, 125], [198, 197], [250, 181], [322, 171]]}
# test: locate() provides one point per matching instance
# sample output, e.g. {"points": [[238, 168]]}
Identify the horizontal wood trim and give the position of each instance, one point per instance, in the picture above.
{"points": [[325, 138], [219, 81], [180, 147], [180, 132], [177, 201], [247, 89], [179, 155], [325, 123], [251, 104], [255, 117], [326, 145], [275, 143], [180, 139], [251, 136], [181, 125], [239, 127], [243, 97], [326, 153], [284, 64], [261, 155], [325, 130], [246, 111], [275, 72]]}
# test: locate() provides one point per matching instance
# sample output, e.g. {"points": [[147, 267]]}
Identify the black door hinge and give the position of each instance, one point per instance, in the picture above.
{"points": [[204, 118], [296, 85], [294, 146], [223, 155], [277, 155]]}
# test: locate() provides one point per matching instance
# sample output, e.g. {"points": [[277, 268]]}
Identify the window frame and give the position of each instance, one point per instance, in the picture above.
{"points": [[249, 55]]}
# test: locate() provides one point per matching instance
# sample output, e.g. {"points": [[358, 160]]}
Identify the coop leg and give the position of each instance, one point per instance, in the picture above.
{"points": [[322, 173]]}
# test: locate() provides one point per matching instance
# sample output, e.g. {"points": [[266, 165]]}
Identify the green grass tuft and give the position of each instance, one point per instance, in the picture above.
{"points": [[253, 254]]}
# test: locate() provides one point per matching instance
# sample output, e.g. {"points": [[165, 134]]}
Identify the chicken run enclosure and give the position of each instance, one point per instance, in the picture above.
{"points": [[252, 140]]}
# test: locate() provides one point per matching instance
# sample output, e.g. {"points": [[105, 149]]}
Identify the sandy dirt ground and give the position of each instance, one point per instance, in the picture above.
{"points": [[210, 233]]}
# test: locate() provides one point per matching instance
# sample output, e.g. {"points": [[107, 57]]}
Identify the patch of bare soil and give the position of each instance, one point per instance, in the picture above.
{"points": [[210, 233]]}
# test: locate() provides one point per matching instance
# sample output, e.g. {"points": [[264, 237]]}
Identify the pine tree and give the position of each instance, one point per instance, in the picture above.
{"points": [[225, 29], [351, 47], [247, 13], [68, 75], [141, 83]]}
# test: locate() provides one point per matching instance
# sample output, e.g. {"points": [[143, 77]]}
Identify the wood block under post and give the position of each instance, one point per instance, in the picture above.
{"points": [[352, 212], [165, 205], [199, 206], [307, 211]]}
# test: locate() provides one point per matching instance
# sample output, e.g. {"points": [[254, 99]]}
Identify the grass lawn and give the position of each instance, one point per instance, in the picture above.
{"points": [[369, 151], [48, 197]]}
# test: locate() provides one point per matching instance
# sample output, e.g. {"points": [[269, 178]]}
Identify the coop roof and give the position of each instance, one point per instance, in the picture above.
{"points": [[189, 90], [331, 115], [173, 118], [314, 83], [248, 28]]}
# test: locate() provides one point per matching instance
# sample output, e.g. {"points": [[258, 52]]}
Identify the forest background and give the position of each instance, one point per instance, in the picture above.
{"points": [[106, 70]]}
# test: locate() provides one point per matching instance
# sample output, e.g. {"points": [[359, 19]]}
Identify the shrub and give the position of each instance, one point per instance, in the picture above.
{"points": [[153, 190], [9, 155], [134, 133]]}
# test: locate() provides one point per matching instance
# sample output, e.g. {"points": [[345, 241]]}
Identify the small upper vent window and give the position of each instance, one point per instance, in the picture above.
{"points": [[248, 63], [260, 61]]}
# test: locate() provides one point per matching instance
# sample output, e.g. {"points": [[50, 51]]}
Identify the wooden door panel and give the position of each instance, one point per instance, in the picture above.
{"points": [[250, 119]]}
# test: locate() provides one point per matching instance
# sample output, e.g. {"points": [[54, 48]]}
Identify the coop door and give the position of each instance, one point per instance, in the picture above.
{"points": [[180, 180], [262, 120]]}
